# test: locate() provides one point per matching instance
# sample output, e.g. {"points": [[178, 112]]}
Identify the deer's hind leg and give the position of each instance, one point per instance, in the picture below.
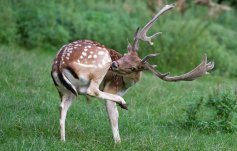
{"points": [[66, 101]]}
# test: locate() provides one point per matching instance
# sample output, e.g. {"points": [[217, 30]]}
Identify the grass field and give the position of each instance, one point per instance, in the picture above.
{"points": [[29, 115]]}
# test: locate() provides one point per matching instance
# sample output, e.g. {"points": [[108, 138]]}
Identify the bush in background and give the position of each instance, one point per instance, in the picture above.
{"points": [[8, 27], [214, 114], [50, 24]]}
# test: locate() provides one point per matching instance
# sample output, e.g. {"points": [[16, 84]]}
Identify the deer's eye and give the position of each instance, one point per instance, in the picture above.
{"points": [[133, 68], [114, 65]]}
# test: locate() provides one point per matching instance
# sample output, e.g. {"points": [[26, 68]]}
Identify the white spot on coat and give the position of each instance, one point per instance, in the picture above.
{"points": [[101, 53], [84, 53], [87, 65], [94, 56]]}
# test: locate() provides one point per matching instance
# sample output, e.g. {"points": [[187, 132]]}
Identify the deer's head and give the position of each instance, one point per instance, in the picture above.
{"points": [[131, 62]]}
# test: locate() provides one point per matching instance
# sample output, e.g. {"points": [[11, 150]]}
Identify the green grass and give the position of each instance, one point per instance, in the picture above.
{"points": [[29, 115]]}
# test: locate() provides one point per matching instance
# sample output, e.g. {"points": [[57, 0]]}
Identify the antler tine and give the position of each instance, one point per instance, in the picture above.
{"points": [[153, 70], [141, 34], [129, 47], [149, 57], [136, 40], [152, 67]]}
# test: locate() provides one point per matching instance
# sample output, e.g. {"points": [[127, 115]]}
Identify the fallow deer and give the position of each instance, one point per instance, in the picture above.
{"points": [[89, 68]]}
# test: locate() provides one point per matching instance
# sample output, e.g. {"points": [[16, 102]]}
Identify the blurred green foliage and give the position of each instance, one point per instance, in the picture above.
{"points": [[50, 24], [213, 114]]}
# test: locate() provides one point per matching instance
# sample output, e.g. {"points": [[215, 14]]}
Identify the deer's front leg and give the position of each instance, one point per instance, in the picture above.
{"points": [[113, 119], [93, 90]]}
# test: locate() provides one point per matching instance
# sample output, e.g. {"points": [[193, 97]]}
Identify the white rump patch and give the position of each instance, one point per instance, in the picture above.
{"points": [[55, 76], [69, 79]]}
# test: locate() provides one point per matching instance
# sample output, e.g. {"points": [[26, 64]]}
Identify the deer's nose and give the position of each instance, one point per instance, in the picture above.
{"points": [[114, 65]]}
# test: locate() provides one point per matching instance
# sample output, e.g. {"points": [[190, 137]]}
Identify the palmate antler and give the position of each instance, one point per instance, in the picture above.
{"points": [[198, 71]]}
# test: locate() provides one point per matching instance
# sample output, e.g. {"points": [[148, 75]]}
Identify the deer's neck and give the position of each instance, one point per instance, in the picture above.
{"points": [[131, 79], [114, 54]]}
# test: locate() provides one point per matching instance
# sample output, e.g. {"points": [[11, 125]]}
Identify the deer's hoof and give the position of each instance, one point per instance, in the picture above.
{"points": [[124, 106]]}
